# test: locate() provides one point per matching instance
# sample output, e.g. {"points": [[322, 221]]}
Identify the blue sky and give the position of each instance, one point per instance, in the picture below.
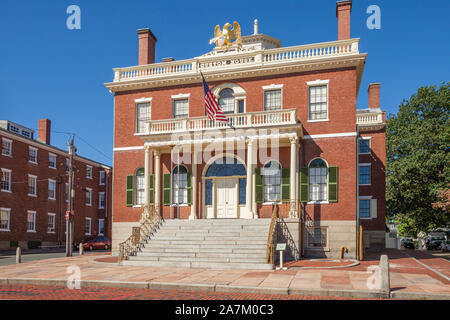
{"points": [[48, 71]]}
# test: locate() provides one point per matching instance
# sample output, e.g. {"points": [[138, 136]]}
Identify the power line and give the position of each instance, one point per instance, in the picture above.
{"points": [[108, 157]]}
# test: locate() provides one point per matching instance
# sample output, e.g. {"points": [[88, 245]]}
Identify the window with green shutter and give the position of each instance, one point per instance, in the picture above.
{"points": [[259, 185], [167, 189], [189, 188], [285, 184], [152, 188], [333, 176], [130, 191], [303, 184]]}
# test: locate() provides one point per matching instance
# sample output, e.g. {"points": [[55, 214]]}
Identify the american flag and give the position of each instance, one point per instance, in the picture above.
{"points": [[212, 108]]}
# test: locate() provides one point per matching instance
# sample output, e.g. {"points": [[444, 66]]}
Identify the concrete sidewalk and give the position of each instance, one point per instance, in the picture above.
{"points": [[409, 279]]}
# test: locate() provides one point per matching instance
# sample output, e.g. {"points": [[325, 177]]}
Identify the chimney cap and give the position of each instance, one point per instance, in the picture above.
{"points": [[168, 59], [148, 31], [341, 3]]}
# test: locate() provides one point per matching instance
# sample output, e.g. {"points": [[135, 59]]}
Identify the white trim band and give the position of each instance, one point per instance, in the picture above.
{"points": [[331, 135], [128, 148]]}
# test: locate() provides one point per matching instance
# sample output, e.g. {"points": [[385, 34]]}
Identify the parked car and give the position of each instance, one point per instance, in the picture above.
{"points": [[407, 243], [445, 245], [434, 243], [93, 243]]}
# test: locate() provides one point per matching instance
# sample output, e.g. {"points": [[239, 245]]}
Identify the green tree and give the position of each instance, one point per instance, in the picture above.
{"points": [[417, 168]]}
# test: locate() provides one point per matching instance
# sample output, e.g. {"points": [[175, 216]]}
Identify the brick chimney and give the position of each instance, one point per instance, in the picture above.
{"points": [[44, 130], [147, 43], [343, 13], [374, 96]]}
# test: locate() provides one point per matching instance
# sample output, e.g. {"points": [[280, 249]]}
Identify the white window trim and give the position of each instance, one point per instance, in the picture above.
{"points": [[136, 103], [318, 83], [10, 147], [365, 165], [35, 149], [54, 222], [142, 100], [100, 178], [35, 186], [370, 207], [90, 198], [9, 183], [54, 181], [270, 88], [181, 98], [99, 233], [370, 145], [90, 226], [50, 155], [9, 219], [90, 176], [99, 202], [318, 202], [34, 212]]}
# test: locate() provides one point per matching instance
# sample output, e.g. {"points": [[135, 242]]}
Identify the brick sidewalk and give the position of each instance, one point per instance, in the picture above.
{"points": [[406, 276]]}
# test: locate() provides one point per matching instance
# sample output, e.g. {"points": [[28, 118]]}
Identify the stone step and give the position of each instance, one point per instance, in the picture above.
{"points": [[207, 242], [241, 256], [197, 259], [198, 265], [216, 222], [195, 248], [208, 237], [194, 230]]}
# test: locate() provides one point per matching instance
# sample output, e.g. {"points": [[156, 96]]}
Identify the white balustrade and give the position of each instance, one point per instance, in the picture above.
{"points": [[258, 58], [241, 120], [369, 118]]}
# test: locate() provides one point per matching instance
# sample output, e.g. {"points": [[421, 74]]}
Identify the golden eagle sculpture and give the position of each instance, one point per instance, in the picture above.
{"points": [[223, 38]]}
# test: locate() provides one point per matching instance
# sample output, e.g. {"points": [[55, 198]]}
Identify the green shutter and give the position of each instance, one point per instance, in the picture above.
{"points": [[152, 188], [189, 188], [167, 189], [259, 186], [130, 190], [333, 178], [285, 184], [303, 184]]}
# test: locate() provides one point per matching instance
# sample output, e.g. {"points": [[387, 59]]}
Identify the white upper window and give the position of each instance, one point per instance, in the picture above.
{"points": [[88, 197], [32, 185], [52, 160], [32, 155], [273, 97], [88, 226], [31, 221], [101, 227], [6, 180], [181, 108], [6, 147], [101, 200], [318, 100], [4, 219], [102, 178], [226, 100], [51, 223], [51, 189], [89, 172], [143, 115]]}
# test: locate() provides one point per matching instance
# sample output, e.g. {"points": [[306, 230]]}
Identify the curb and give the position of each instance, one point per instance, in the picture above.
{"points": [[419, 296]]}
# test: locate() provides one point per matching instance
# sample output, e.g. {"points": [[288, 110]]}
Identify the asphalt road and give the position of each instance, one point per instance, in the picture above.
{"points": [[10, 258]]}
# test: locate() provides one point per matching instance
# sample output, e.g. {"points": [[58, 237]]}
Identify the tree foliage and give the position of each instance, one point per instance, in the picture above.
{"points": [[417, 169]]}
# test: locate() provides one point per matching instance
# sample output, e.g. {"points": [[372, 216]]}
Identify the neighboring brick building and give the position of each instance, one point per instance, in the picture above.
{"points": [[302, 99], [34, 185]]}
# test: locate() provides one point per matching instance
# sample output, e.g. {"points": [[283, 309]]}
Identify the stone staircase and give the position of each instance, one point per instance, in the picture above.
{"points": [[218, 244]]}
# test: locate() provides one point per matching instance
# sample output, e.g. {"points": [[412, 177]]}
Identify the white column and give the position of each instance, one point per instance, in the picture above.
{"points": [[157, 154], [147, 176], [293, 181], [249, 198], [193, 214]]}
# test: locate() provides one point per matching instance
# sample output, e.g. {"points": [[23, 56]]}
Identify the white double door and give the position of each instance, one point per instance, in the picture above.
{"points": [[227, 198]]}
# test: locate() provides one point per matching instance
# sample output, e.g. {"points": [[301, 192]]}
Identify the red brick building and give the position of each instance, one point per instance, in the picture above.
{"points": [[294, 139], [34, 190]]}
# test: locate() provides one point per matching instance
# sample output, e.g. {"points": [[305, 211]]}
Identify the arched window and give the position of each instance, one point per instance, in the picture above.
{"points": [[318, 180], [179, 183], [272, 181], [226, 100], [140, 186]]}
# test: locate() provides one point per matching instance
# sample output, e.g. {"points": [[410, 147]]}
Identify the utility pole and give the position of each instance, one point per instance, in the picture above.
{"points": [[69, 219]]}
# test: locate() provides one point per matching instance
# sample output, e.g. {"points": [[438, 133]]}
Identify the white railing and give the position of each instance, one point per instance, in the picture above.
{"points": [[369, 118], [241, 120], [258, 58]]}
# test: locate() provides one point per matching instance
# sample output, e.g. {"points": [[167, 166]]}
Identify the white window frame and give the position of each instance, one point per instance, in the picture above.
{"points": [[35, 185], [90, 226], [273, 87], [100, 194], [10, 147], [9, 182], [9, 219], [102, 173], [49, 156], [89, 170], [101, 233], [370, 174], [34, 149], [328, 184], [266, 201], [34, 221], [319, 83], [373, 208], [136, 114], [370, 145], [50, 214], [180, 97], [89, 190], [54, 183]]}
